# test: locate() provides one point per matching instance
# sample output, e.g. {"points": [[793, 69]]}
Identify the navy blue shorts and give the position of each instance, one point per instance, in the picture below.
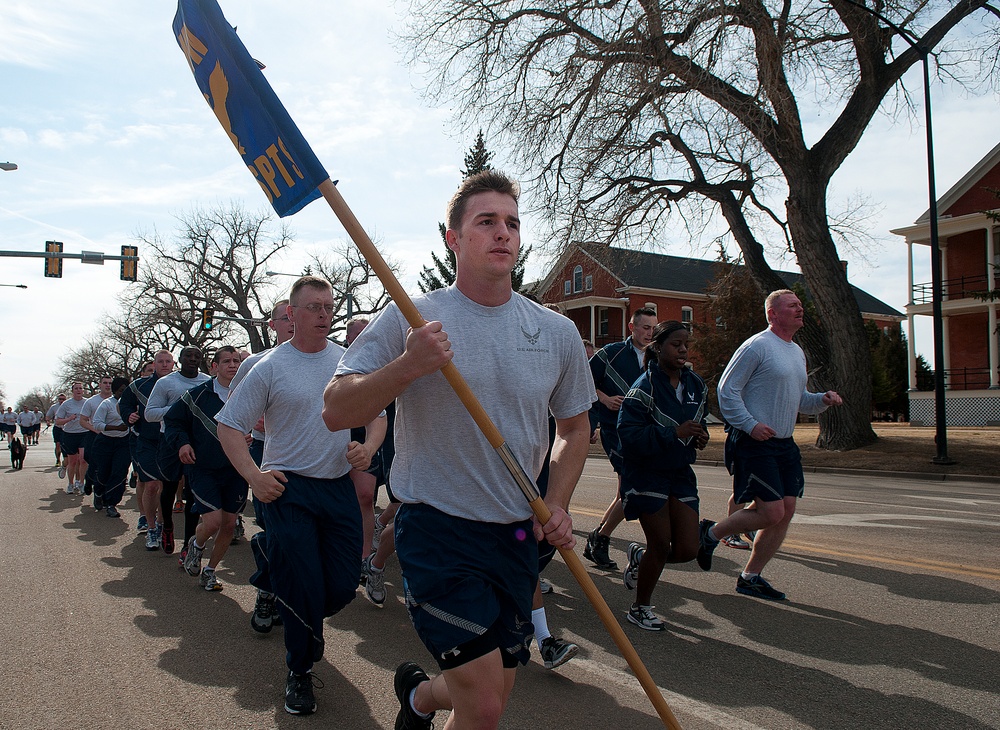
{"points": [[71, 443], [57, 435], [649, 493], [215, 489], [609, 440], [468, 585], [88, 441], [766, 470], [145, 460]]}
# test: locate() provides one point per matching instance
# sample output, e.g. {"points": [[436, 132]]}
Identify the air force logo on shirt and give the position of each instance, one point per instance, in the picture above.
{"points": [[532, 340]]}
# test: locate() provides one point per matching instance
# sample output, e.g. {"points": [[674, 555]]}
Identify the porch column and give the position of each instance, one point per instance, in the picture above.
{"points": [[909, 272], [911, 351], [994, 348], [593, 324]]}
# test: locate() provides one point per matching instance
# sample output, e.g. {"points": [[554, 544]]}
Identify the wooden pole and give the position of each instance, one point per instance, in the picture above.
{"points": [[489, 429]]}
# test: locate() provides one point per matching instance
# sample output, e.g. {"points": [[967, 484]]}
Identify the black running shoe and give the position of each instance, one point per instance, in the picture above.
{"points": [[706, 545], [408, 676], [758, 588], [299, 698], [596, 550]]}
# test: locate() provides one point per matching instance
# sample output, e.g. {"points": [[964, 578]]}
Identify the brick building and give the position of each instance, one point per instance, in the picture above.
{"points": [[969, 254], [599, 287]]}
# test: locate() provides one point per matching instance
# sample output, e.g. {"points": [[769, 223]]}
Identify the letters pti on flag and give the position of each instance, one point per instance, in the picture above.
{"points": [[264, 134]]}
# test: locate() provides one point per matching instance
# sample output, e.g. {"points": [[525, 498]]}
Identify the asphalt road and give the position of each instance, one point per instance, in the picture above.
{"points": [[892, 622]]}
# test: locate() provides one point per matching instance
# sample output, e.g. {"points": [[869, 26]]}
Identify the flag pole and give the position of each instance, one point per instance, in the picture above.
{"points": [[395, 290]]}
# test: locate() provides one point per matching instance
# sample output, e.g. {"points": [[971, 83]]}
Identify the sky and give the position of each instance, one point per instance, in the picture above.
{"points": [[112, 139]]}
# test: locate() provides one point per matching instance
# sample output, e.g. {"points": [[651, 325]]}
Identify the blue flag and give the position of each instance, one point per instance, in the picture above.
{"points": [[264, 134]]}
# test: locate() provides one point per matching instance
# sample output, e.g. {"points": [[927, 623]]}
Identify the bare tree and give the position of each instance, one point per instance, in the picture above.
{"points": [[630, 112], [218, 261], [96, 358], [350, 276]]}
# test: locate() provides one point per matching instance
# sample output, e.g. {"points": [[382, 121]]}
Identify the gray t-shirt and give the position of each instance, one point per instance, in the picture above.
{"points": [[107, 415], [765, 382], [71, 407], [167, 391], [90, 406], [242, 373], [286, 387], [520, 360]]}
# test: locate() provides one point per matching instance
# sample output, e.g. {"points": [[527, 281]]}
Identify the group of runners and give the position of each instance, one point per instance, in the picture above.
{"points": [[308, 427], [29, 421]]}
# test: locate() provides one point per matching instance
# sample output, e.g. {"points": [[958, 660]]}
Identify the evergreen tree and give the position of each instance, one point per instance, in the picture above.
{"points": [[442, 273]]}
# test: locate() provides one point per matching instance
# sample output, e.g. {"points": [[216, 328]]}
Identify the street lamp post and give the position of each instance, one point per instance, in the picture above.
{"points": [[8, 166], [941, 427], [16, 286]]}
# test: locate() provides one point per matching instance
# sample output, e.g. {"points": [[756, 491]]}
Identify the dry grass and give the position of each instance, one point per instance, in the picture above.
{"points": [[900, 448]]}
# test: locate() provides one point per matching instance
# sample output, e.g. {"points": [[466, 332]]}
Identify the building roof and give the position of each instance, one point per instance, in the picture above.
{"points": [[693, 276], [969, 179]]}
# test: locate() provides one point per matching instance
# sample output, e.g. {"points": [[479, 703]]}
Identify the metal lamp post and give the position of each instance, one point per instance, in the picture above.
{"points": [[941, 427]]}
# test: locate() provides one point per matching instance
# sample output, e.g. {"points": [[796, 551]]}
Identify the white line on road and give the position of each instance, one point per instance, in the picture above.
{"points": [[678, 703]]}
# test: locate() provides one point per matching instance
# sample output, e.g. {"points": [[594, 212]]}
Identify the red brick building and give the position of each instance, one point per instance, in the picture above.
{"points": [[599, 287], [969, 254]]}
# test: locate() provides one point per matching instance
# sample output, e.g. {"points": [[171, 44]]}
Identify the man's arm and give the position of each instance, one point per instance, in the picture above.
{"points": [[569, 452], [267, 486], [356, 399], [359, 455], [159, 401]]}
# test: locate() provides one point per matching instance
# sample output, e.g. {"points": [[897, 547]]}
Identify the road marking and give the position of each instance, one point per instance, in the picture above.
{"points": [[677, 702], [934, 565], [881, 520], [953, 500]]}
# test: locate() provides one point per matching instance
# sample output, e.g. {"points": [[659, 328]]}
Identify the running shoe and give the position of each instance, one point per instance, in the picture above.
{"points": [[208, 581], [644, 618], [98, 503], [375, 585], [112, 511], [62, 471], [706, 545], [299, 698], [70, 489], [238, 531], [178, 507], [758, 588], [750, 536], [182, 556], [545, 587], [262, 618], [377, 535], [736, 541], [192, 562], [630, 576], [408, 676], [142, 525], [556, 652], [596, 550], [88, 488], [167, 540], [153, 538]]}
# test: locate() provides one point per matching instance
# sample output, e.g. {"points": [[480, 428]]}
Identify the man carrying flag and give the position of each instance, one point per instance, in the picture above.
{"points": [[463, 532]]}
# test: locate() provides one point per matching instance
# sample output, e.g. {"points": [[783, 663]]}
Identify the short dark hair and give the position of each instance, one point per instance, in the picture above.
{"points": [[118, 382], [482, 182], [313, 282], [218, 353], [642, 312]]}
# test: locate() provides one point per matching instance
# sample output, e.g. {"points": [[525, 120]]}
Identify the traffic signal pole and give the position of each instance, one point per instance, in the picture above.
{"points": [[54, 255]]}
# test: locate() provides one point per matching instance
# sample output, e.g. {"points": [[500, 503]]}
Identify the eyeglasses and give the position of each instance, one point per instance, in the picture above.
{"points": [[316, 308], [281, 319]]}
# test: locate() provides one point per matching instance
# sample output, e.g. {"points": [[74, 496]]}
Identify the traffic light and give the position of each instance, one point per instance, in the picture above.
{"points": [[129, 268], [206, 318], [53, 265]]}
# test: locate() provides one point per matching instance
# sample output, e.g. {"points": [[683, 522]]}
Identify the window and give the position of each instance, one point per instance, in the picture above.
{"points": [[687, 317], [602, 321], [568, 288], [578, 279], [588, 283]]}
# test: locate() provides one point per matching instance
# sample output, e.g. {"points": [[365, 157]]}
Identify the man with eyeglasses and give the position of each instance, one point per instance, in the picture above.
{"points": [[463, 532], [309, 505], [265, 614]]}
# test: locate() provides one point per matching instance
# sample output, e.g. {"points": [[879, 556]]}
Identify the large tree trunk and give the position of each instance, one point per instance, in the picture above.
{"points": [[847, 368]]}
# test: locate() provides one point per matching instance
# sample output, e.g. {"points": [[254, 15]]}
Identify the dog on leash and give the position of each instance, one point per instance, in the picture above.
{"points": [[17, 453]]}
